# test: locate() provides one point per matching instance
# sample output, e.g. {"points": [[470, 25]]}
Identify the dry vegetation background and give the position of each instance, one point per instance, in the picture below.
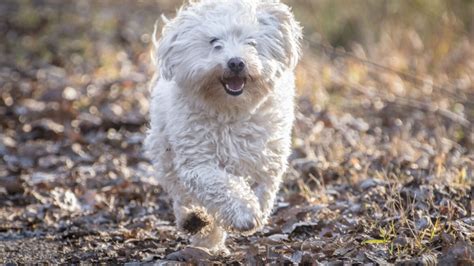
{"points": [[383, 162]]}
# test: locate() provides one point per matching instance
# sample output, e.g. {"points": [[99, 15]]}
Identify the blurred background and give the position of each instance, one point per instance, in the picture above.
{"points": [[382, 164]]}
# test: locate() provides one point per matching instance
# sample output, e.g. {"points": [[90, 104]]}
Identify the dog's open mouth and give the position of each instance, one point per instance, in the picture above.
{"points": [[234, 85]]}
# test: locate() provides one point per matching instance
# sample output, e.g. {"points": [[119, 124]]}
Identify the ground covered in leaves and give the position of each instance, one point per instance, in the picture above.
{"points": [[381, 171]]}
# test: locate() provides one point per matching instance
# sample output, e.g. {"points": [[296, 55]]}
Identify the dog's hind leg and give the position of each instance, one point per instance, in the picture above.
{"points": [[204, 244], [190, 217], [193, 219], [212, 238]]}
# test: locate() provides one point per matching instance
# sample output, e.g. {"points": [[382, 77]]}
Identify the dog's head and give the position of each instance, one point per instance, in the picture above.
{"points": [[229, 53]]}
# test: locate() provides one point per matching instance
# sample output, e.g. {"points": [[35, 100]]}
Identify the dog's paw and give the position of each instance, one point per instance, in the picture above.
{"points": [[246, 219], [195, 222]]}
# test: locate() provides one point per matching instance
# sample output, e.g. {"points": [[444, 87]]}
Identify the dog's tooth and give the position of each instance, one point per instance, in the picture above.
{"points": [[229, 87]]}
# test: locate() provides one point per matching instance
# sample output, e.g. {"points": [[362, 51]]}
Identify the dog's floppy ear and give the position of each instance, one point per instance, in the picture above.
{"points": [[165, 49], [280, 32]]}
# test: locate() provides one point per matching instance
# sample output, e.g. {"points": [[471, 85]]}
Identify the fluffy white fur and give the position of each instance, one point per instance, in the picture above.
{"points": [[222, 156]]}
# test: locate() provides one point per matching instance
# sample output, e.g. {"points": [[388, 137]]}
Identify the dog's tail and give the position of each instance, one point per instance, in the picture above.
{"points": [[154, 50], [154, 38], [154, 41]]}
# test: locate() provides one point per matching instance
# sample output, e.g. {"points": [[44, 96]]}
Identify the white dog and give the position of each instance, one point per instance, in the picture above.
{"points": [[222, 113]]}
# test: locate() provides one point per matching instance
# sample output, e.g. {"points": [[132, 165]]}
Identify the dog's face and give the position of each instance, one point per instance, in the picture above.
{"points": [[229, 53]]}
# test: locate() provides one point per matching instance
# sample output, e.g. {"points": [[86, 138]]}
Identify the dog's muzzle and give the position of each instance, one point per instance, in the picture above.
{"points": [[234, 84]]}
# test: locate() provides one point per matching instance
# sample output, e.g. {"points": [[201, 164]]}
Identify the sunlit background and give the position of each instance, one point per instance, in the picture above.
{"points": [[383, 158]]}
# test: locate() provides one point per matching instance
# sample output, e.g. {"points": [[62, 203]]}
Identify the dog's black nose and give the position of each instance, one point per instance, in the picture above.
{"points": [[236, 64]]}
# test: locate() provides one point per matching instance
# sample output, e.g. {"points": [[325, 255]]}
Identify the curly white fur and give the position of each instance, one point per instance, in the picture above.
{"points": [[215, 153]]}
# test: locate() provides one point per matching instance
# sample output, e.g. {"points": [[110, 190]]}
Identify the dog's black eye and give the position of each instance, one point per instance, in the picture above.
{"points": [[252, 43], [213, 41]]}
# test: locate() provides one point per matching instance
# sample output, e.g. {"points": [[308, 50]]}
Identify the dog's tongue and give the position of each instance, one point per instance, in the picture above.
{"points": [[235, 83]]}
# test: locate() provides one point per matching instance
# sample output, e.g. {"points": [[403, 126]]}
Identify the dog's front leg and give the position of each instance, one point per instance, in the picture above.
{"points": [[266, 192], [269, 181], [229, 198]]}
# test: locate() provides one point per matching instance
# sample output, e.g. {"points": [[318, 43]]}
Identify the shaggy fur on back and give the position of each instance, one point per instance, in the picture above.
{"points": [[221, 133]]}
